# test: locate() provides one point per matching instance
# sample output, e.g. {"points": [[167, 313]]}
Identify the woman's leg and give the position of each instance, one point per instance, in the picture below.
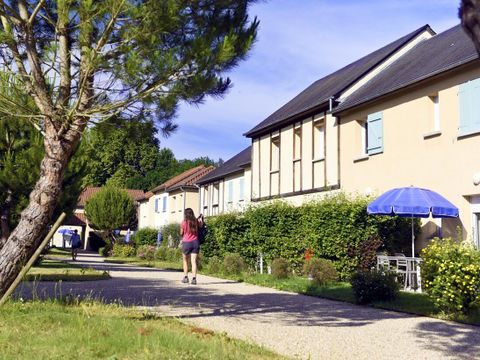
{"points": [[185, 264], [194, 264]]}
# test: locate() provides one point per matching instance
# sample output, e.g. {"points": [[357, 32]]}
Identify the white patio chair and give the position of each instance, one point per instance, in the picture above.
{"points": [[402, 270]]}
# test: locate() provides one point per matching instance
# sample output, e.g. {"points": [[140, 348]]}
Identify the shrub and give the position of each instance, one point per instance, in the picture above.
{"points": [[215, 265], [174, 254], [226, 234], [321, 271], [105, 251], [280, 268], [171, 235], [146, 252], [336, 228], [161, 253], [145, 236], [233, 264], [123, 250], [369, 286], [451, 275]]}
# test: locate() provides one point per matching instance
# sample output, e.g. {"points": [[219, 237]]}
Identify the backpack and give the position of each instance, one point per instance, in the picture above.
{"points": [[202, 233]]}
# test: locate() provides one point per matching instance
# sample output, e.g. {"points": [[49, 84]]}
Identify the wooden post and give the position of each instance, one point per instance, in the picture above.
{"points": [[32, 260]]}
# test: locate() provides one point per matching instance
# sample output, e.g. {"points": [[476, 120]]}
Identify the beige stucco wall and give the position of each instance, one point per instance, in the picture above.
{"points": [[146, 214], [444, 163]]}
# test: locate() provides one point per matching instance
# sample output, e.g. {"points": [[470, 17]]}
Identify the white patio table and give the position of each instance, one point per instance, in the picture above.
{"points": [[408, 266]]}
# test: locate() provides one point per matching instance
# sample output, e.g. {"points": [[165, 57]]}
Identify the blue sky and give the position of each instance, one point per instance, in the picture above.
{"points": [[299, 42]]}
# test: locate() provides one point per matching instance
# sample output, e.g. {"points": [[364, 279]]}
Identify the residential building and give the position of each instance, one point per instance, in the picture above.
{"points": [[295, 150], [227, 188], [166, 203], [78, 221], [406, 114], [418, 123]]}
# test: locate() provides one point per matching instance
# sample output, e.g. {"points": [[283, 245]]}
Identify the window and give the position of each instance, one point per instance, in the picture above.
{"points": [[164, 204], [215, 193], [469, 98], [230, 191], [318, 140], [275, 164], [275, 154], [156, 205], [374, 133], [205, 197], [242, 189]]}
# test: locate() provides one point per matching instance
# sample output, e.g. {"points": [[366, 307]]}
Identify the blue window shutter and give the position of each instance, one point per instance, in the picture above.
{"points": [[156, 205], [375, 133], [164, 203], [469, 98]]}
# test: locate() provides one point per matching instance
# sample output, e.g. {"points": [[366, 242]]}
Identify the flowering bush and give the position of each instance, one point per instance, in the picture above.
{"points": [[123, 250], [146, 252], [280, 268], [321, 271], [451, 275]]}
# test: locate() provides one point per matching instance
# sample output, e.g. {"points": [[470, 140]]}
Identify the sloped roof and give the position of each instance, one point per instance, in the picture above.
{"points": [[88, 192], [76, 219], [231, 166], [187, 178], [431, 57], [322, 90]]}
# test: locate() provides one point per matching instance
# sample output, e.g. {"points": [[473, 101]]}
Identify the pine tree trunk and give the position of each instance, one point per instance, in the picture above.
{"points": [[470, 15], [4, 217], [36, 217]]}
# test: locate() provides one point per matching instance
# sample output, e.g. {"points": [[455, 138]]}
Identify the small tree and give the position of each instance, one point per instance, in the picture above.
{"points": [[110, 209]]}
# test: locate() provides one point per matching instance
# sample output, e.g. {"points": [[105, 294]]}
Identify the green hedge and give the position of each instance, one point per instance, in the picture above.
{"points": [[336, 228], [145, 236]]}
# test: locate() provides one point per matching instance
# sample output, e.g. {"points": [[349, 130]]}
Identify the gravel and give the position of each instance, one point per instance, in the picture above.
{"points": [[293, 325]]}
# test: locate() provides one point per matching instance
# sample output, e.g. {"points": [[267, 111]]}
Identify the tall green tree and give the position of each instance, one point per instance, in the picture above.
{"points": [[119, 149], [110, 209], [469, 14], [108, 57]]}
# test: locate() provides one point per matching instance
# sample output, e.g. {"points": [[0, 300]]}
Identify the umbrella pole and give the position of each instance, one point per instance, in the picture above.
{"points": [[413, 240]]}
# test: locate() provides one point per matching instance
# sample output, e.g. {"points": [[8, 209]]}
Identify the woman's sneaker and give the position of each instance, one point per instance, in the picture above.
{"points": [[194, 281], [185, 280]]}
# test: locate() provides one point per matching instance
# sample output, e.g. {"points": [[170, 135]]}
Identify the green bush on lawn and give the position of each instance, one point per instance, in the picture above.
{"points": [[371, 286]]}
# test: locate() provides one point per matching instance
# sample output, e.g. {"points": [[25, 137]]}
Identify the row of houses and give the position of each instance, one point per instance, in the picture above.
{"points": [[405, 114]]}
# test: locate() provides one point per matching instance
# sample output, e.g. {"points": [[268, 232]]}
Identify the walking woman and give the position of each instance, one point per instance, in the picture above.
{"points": [[191, 244]]}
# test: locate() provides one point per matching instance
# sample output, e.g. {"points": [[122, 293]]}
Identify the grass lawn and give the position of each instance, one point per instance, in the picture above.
{"points": [[89, 330], [59, 253], [55, 270]]}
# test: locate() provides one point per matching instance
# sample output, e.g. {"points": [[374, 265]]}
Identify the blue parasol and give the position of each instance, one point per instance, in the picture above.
{"points": [[413, 202]]}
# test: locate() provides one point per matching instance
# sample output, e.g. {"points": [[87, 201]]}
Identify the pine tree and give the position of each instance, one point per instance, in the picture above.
{"points": [[84, 61]]}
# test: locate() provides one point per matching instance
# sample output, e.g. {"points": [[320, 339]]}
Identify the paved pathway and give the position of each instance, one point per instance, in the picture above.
{"points": [[290, 324]]}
